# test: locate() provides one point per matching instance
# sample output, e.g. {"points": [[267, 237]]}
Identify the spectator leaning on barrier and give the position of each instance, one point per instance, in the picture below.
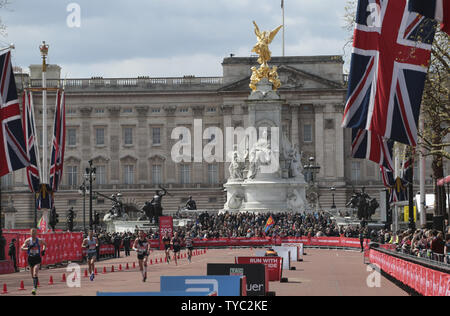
{"points": [[447, 248], [437, 246]]}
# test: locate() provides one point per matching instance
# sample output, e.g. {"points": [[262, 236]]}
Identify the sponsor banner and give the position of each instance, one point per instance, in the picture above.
{"points": [[274, 265], [278, 241], [286, 255], [6, 267], [165, 226], [222, 285], [295, 251], [299, 246], [257, 275], [423, 280], [144, 294], [61, 247]]}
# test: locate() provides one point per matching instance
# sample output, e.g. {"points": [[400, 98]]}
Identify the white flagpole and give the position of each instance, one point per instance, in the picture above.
{"points": [[284, 28], [44, 52]]}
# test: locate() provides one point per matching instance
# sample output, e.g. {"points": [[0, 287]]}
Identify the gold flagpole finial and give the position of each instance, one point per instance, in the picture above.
{"points": [[44, 53]]}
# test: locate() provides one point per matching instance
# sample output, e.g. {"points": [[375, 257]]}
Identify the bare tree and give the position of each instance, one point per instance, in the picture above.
{"points": [[436, 113], [3, 4]]}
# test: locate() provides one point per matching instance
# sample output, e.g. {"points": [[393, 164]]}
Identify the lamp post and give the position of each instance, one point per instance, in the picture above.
{"points": [[90, 173], [82, 191], [333, 190]]}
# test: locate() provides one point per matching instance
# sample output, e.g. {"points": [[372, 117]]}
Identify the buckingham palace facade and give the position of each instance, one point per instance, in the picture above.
{"points": [[124, 126]]}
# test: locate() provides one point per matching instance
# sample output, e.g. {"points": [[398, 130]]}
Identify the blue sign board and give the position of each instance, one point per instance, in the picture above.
{"points": [[222, 285]]}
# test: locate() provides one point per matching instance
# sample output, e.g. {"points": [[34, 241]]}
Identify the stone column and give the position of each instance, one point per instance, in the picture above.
{"points": [[115, 139], [319, 137], [294, 124], [86, 132], [143, 143], [199, 169], [170, 164], [227, 112], [340, 145]]}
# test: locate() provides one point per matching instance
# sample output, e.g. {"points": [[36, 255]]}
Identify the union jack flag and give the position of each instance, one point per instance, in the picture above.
{"points": [[434, 9], [29, 130], [44, 197], [390, 59], [58, 143], [396, 186], [370, 146], [13, 155]]}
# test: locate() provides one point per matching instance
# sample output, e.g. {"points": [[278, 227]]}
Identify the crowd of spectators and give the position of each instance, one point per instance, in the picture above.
{"points": [[424, 243]]}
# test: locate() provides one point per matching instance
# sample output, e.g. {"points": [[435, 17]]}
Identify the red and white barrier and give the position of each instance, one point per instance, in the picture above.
{"points": [[61, 247], [423, 280]]}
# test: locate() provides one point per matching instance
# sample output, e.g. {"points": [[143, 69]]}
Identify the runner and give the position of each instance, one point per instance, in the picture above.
{"points": [[189, 245], [176, 242], [33, 247], [166, 241], [142, 247], [91, 243]]}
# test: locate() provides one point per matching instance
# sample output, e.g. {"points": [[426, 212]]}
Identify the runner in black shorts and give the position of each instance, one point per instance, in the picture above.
{"points": [[189, 245], [33, 247], [91, 244], [166, 242], [142, 247], [176, 242]]}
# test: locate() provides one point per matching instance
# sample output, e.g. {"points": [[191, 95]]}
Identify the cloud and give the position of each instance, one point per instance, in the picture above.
{"points": [[115, 33], [200, 65]]}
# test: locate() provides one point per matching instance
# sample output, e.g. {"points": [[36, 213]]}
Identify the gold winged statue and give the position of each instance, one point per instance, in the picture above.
{"points": [[262, 49]]}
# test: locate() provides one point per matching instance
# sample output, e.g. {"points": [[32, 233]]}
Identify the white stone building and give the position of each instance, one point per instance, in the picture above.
{"points": [[124, 125]]}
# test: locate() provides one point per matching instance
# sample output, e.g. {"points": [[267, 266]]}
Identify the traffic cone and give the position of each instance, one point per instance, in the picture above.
{"points": [[128, 267], [95, 271], [63, 278], [112, 269], [151, 262], [22, 286], [86, 273], [104, 270], [120, 267], [160, 260], [39, 284], [51, 281], [134, 265], [5, 289]]}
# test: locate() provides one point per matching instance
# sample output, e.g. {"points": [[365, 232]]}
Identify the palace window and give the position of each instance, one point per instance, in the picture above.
{"points": [[101, 175], [156, 136], [71, 137], [307, 133], [128, 136], [213, 174], [100, 136], [185, 174], [72, 176], [356, 171], [128, 174], [157, 174]]}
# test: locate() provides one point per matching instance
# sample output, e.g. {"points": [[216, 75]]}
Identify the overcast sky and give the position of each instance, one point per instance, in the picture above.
{"points": [[162, 38]]}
